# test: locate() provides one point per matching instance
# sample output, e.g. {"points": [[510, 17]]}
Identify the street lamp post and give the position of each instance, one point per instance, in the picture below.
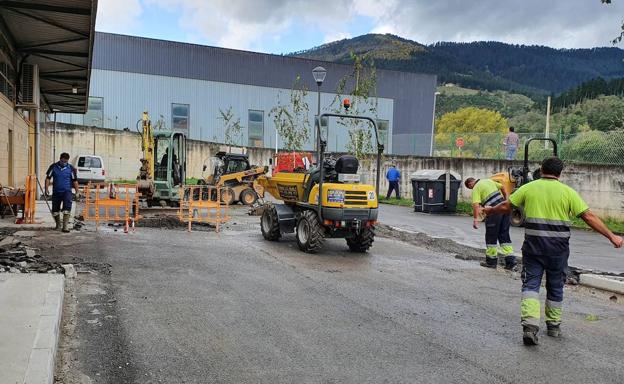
{"points": [[319, 74], [435, 96]]}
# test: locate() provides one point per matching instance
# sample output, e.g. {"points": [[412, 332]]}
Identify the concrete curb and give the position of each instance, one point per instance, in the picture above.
{"points": [[608, 283], [43, 354]]}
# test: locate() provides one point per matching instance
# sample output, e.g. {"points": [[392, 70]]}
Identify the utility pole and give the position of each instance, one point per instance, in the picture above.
{"points": [[547, 123]]}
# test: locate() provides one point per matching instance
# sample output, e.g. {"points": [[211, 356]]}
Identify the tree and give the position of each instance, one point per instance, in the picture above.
{"points": [[482, 131], [617, 38], [232, 127], [362, 93], [291, 120]]}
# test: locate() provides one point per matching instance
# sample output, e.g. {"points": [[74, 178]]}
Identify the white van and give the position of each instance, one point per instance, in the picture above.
{"points": [[90, 168]]}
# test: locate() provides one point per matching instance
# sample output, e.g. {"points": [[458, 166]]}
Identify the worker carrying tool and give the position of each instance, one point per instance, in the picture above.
{"points": [[63, 176], [548, 205], [488, 193]]}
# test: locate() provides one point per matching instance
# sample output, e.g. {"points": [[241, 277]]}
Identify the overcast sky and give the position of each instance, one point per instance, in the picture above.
{"points": [[283, 26]]}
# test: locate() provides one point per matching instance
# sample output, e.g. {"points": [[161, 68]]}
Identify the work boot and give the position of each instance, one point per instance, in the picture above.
{"points": [[510, 263], [57, 220], [553, 330], [490, 262], [66, 222], [529, 334]]}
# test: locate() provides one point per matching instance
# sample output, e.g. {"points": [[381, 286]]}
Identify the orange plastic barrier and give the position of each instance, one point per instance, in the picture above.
{"points": [[202, 204], [30, 197], [111, 203]]}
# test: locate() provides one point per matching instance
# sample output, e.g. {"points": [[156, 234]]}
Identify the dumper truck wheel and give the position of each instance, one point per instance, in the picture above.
{"points": [[517, 217], [248, 196], [269, 224], [309, 232], [362, 241]]}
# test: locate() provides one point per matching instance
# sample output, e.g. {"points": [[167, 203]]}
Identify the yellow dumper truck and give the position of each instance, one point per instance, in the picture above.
{"points": [[345, 208]]}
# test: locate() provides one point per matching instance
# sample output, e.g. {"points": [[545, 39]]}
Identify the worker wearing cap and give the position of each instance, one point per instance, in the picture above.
{"points": [[488, 193], [548, 205], [63, 176]]}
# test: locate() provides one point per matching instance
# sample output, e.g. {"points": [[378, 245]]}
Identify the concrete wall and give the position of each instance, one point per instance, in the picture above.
{"points": [[13, 121], [601, 186], [121, 150]]}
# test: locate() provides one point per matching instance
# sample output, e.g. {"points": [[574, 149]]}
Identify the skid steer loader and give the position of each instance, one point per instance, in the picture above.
{"points": [[233, 172], [327, 201]]}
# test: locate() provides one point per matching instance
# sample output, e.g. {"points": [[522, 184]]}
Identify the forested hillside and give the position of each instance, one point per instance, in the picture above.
{"points": [[531, 70]]}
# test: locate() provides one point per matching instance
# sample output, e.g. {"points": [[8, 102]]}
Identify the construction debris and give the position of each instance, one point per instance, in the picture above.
{"points": [[17, 258]]}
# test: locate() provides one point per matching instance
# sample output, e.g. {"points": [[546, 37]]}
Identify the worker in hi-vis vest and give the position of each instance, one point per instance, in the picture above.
{"points": [[488, 193], [548, 206]]}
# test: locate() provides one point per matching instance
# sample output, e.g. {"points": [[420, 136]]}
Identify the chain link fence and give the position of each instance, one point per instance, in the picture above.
{"points": [[592, 147]]}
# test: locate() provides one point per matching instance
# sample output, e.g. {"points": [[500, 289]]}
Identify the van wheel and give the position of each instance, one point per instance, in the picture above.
{"points": [[362, 241], [269, 223], [248, 196], [309, 232]]}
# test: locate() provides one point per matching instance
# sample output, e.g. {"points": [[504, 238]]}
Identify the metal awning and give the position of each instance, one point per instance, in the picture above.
{"points": [[57, 35]]}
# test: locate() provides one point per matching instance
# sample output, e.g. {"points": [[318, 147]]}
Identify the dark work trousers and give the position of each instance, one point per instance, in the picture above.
{"points": [[393, 185], [64, 198], [533, 268], [497, 232]]}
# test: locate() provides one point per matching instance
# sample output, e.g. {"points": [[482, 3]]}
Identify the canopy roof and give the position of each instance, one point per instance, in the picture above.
{"points": [[57, 35]]}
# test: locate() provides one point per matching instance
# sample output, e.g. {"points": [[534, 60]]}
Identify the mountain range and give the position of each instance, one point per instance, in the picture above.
{"points": [[488, 65]]}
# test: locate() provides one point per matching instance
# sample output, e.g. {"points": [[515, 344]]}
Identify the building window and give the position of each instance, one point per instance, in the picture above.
{"points": [[6, 75], [180, 116], [256, 128], [383, 128], [95, 112]]}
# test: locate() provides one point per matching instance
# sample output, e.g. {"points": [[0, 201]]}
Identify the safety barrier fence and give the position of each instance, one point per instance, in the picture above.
{"points": [[111, 203], [202, 204]]}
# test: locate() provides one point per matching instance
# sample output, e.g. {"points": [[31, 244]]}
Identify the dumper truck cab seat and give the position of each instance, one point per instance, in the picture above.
{"points": [[345, 164]]}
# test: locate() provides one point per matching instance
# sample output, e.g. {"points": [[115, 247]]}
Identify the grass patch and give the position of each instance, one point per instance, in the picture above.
{"points": [[464, 208], [403, 202], [123, 181], [614, 225]]}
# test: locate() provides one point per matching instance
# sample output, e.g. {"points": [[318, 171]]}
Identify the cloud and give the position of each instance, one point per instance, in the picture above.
{"points": [[335, 36], [246, 24], [557, 23], [251, 24], [119, 16]]}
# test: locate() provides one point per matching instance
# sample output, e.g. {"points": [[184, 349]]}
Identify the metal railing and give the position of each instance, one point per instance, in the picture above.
{"points": [[594, 147]]}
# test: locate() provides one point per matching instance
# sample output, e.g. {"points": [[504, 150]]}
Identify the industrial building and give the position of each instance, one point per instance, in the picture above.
{"points": [[185, 86]]}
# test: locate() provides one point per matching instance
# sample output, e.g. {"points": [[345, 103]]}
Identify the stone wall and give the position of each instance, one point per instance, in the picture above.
{"points": [[601, 186]]}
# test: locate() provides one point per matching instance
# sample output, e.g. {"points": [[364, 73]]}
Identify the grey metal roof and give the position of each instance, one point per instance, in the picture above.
{"points": [[57, 35], [412, 92]]}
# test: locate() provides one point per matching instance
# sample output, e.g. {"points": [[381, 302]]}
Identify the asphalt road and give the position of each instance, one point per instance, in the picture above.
{"points": [[588, 250], [176, 307]]}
